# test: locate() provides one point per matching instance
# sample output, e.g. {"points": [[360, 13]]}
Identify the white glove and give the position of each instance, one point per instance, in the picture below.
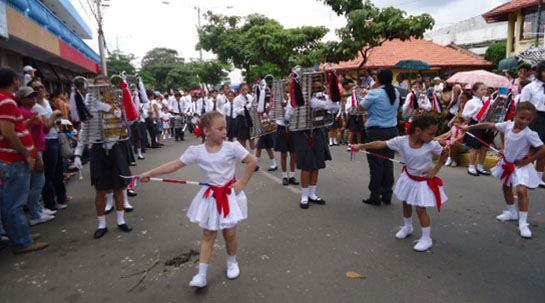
{"points": [[77, 163]]}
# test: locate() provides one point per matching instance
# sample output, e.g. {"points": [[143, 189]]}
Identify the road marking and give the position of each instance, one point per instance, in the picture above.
{"points": [[290, 187]]}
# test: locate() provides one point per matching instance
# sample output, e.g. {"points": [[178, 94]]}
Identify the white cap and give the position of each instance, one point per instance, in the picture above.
{"points": [[65, 122], [28, 68], [436, 78]]}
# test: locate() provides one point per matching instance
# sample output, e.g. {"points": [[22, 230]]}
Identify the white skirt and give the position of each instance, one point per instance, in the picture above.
{"points": [[417, 193], [204, 211], [526, 175]]}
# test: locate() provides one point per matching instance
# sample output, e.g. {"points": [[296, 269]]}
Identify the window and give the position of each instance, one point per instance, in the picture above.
{"points": [[529, 25]]}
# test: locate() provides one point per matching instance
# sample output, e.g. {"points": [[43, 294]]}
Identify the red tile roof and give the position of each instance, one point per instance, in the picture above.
{"points": [[501, 12], [391, 52]]}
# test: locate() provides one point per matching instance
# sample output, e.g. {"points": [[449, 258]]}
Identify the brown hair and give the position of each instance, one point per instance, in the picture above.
{"points": [[525, 106], [209, 117]]}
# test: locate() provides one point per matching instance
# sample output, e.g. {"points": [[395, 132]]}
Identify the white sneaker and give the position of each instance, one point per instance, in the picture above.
{"points": [[507, 216], [198, 281], [525, 231], [42, 219], [232, 270], [423, 244], [404, 232], [48, 211], [449, 161]]}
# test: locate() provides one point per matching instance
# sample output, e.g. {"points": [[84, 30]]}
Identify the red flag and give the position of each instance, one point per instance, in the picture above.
{"points": [[128, 107]]}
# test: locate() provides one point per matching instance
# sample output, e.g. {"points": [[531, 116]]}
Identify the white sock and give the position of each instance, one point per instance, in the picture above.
{"points": [[120, 217], [292, 174], [471, 167], [101, 222], [426, 231], [335, 140], [273, 163], [126, 203], [232, 259], [140, 152], [284, 174], [512, 209], [304, 195], [330, 141], [480, 167], [109, 200], [203, 268], [523, 217], [408, 222], [258, 160], [449, 159], [312, 192], [253, 152]]}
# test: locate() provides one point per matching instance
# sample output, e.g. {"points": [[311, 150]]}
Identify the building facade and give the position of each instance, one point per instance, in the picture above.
{"points": [[46, 35]]}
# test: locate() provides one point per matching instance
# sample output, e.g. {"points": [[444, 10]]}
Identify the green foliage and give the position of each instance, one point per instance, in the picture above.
{"points": [[256, 41], [157, 63], [118, 62], [369, 27], [496, 52], [211, 72]]}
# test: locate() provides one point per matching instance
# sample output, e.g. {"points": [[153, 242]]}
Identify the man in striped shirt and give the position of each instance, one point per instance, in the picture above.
{"points": [[17, 158]]}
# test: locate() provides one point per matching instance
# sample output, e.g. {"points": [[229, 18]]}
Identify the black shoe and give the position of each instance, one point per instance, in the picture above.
{"points": [[272, 168], [386, 202], [100, 232], [285, 181], [483, 172], [125, 227], [176, 140], [476, 174], [318, 200], [293, 181], [256, 168], [542, 185], [304, 205], [129, 209], [155, 146], [160, 144], [371, 202], [132, 164], [131, 193], [109, 210]]}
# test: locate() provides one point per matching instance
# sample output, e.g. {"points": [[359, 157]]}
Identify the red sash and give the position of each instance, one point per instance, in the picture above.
{"points": [[508, 170], [220, 193], [484, 110], [434, 185]]}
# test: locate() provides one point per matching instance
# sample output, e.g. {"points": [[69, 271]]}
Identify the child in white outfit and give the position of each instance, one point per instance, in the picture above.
{"points": [[516, 168], [223, 204], [417, 186]]}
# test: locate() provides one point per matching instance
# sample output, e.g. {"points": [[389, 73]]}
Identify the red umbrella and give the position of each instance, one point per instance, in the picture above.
{"points": [[488, 78]]}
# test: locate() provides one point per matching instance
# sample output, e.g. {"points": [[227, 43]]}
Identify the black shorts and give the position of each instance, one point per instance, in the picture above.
{"points": [[311, 150], [106, 167], [243, 131], [538, 125], [484, 134], [284, 140], [266, 141], [355, 124]]}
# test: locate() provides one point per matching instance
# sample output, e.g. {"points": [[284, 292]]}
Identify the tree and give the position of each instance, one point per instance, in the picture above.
{"points": [[211, 72], [182, 76], [157, 64], [118, 62], [496, 52], [256, 40], [369, 27]]}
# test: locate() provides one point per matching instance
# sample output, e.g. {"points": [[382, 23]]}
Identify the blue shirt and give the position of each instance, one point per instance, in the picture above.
{"points": [[380, 110]]}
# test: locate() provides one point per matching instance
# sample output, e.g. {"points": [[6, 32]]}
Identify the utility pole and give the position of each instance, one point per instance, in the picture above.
{"points": [[199, 25], [101, 44], [539, 9]]}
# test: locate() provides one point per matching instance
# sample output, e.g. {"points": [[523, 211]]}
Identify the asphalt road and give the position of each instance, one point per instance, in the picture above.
{"points": [[286, 254]]}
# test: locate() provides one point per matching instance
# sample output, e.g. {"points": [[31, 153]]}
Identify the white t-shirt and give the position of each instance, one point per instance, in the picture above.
{"points": [[47, 112], [219, 168], [419, 161], [535, 93], [472, 108], [517, 145]]}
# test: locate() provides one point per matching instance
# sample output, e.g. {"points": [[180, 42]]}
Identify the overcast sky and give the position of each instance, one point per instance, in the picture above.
{"points": [[137, 26]]}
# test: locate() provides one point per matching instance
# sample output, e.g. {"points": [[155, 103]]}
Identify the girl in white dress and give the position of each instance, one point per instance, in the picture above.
{"points": [[223, 204], [516, 168], [417, 186]]}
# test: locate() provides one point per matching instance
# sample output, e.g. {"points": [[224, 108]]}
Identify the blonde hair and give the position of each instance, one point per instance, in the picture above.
{"points": [[208, 118]]}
